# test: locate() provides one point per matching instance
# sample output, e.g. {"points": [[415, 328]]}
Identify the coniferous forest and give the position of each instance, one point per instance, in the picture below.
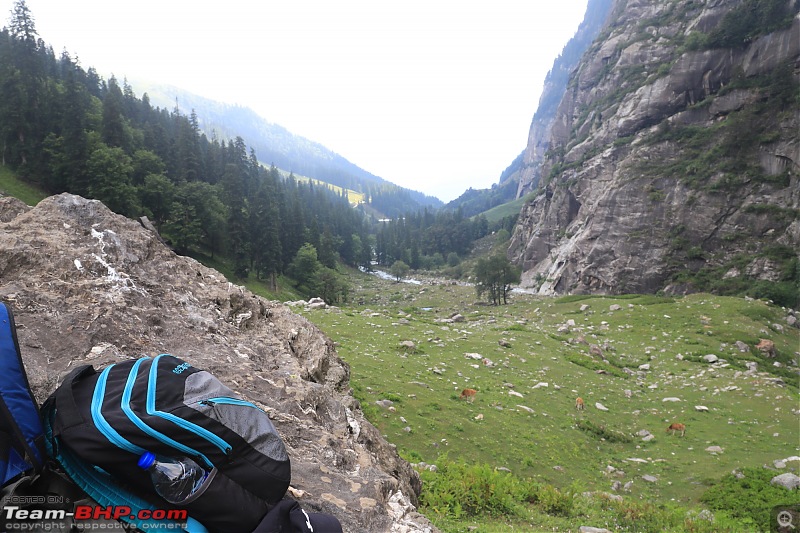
{"points": [[66, 129]]}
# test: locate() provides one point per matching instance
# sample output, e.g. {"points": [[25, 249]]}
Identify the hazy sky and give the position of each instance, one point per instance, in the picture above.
{"points": [[433, 95]]}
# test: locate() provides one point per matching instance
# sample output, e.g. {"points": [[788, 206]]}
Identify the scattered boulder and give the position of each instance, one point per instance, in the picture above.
{"points": [[408, 346], [715, 449], [615, 307], [600, 407], [645, 366], [788, 481], [504, 343], [316, 303], [649, 478], [671, 399], [710, 358], [10, 207], [590, 529], [701, 408], [742, 347]]}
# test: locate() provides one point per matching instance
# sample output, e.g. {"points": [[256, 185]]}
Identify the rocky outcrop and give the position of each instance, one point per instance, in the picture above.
{"points": [[667, 156], [89, 286]]}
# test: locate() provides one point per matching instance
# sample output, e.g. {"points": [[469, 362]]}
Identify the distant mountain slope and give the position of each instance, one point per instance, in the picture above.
{"points": [[475, 201], [274, 144], [522, 175]]}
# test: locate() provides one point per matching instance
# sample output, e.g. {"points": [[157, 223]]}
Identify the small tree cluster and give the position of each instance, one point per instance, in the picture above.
{"points": [[494, 276], [399, 270], [315, 278]]}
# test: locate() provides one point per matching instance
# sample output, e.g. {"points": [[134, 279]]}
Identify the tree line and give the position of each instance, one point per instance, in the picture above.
{"points": [[432, 239], [68, 130]]}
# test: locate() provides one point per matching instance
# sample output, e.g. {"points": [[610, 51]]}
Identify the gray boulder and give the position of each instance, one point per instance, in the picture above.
{"points": [[788, 481]]}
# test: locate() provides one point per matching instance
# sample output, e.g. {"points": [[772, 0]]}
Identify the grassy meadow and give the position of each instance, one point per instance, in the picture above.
{"points": [[529, 361], [13, 186]]}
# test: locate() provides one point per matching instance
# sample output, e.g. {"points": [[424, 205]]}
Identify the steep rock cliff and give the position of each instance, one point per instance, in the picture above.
{"points": [[674, 155], [92, 287], [554, 85]]}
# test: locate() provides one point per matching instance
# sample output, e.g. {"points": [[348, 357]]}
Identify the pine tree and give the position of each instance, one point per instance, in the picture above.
{"points": [[113, 130], [234, 184], [21, 26]]}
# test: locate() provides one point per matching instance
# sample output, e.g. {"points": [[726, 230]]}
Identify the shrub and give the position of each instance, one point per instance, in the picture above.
{"points": [[749, 498], [784, 293], [458, 489], [610, 435], [553, 501]]}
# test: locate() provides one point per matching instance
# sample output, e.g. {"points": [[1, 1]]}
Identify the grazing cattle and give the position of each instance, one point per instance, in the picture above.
{"points": [[579, 405], [468, 394], [767, 347], [675, 427]]}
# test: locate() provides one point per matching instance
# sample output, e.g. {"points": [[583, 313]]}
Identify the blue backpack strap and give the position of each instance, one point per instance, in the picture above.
{"points": [[21, 436], [103, 488]]}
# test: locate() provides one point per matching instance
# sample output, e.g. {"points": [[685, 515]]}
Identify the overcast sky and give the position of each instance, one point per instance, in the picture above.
{"points": [[433, 95]]}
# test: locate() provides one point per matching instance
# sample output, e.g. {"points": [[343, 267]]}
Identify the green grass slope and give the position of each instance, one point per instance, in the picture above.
{"points": [[524, 417], [10, 185]]}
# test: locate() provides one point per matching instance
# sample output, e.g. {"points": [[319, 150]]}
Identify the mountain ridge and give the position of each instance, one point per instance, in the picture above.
{"points": [[273, 143]]}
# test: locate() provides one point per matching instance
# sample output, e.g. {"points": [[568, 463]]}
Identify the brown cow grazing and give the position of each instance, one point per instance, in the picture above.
{"points": [[579, 405], [675, 427], [468, 394], [767, 347]]}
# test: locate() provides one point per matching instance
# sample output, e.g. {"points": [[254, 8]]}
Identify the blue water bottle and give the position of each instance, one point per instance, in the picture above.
{"points": [[175, 479]]}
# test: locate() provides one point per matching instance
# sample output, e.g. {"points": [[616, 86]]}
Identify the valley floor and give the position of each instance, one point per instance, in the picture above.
{"points": [[639, 362]]}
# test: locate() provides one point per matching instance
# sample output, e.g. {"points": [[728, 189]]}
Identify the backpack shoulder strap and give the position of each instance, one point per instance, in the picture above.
{"points": [[21, 436]]}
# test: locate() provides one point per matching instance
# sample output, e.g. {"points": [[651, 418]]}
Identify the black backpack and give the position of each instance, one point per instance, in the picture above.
{"points": [[166, 406]]}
